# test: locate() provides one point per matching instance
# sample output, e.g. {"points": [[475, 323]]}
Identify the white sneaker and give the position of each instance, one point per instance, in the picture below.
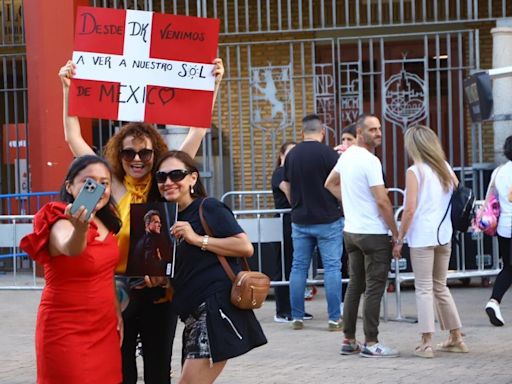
{"points": [[378, 350], [493, 311]]}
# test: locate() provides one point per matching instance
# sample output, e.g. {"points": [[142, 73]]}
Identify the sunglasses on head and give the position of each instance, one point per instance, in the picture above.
{"points": [[129, 154], [175, 175]]}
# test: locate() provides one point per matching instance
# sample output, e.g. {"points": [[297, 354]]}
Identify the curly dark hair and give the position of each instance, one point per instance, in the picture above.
{"points": [[507, 148], [138, 131]]}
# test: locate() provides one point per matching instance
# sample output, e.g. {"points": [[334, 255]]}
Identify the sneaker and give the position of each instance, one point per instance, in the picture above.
{"points": [[348, 348], [278, 318], [334, 326], [307, 316], [297, 324], [378, 350], [493, 311]]}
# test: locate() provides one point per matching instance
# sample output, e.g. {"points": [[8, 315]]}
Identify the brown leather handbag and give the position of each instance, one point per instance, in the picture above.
{"points": [[250, 288]]}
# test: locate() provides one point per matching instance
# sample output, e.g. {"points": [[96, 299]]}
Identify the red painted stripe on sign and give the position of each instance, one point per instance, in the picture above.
{"points": [[102, 99], [100, 31], [184, 38], [178, 106]]}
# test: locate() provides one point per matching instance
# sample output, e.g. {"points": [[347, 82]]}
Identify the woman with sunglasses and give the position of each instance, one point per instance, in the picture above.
{"points": [[132, 152], [215, 330]]}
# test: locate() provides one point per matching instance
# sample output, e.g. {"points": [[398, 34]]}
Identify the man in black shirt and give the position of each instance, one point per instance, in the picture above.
{"points": [[316, 220], [148, 249]]}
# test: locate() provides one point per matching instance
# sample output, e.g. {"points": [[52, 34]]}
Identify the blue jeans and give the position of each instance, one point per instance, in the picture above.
{"points": [[329, 239]]}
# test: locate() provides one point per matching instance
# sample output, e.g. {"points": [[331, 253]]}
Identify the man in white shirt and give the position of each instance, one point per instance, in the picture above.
{"points": [[358, 182]]}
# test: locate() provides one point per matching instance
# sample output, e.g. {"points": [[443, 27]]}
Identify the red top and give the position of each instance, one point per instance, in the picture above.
{"points": [[76, 333]]}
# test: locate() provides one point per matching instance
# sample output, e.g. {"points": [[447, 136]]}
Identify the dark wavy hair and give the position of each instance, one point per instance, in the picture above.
{"points": [[190, 165], [350, 129], [108, 214], [138, 131], [507, 148]]}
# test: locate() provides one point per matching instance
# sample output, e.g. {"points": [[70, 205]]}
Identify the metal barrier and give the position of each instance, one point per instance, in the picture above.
{"points": [[24, 203], [264, 229], [12, 229], [263, 225], [460, 273]]}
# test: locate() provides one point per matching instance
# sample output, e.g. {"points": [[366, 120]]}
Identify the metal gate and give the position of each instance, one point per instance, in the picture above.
{"points": [[271, 82], [285, 59], [13, 100], [404, 79]]}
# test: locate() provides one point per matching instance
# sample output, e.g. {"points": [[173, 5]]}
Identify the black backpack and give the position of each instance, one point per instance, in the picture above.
{"points": [[462, 201]]}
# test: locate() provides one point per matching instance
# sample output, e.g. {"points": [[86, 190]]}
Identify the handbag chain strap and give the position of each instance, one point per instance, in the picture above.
{"points": [[222, 259]]}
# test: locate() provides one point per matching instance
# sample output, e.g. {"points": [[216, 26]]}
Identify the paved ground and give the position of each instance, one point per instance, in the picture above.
{"points": [[311, 355]]}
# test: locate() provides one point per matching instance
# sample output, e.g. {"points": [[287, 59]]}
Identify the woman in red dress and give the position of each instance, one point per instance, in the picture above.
{"points": [[79, 331]]}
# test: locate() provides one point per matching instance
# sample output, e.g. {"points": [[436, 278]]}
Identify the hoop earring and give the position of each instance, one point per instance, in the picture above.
{"points": [[191, 189]]}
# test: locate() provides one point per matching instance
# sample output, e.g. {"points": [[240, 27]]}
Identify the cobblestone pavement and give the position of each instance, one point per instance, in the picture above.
{"points": [[312, 355]]}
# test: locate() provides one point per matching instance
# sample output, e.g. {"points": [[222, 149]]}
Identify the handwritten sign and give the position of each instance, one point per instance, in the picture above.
{"points": [[143, 66]]}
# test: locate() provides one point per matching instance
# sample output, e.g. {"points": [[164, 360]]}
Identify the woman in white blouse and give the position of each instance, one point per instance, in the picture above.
{"points": [[429, 185]]}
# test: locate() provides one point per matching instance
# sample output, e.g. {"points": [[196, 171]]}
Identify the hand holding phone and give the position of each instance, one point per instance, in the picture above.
{"points": [[88, 197]]}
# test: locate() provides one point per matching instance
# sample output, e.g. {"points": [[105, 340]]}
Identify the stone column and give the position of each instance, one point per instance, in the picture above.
{"points": [[502, 88], [49, 31]]}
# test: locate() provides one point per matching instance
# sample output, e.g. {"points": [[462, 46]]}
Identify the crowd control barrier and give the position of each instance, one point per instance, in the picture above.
{"points": [[264, 226], [17, 270], [24, 203], [486, 265]]}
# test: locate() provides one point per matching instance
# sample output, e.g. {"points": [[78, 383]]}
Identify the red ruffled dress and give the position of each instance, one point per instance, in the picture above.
{"points": [[76, 333]]}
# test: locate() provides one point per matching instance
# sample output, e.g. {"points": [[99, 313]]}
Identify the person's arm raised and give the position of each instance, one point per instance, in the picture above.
{"points": [[69, 237], [195, 135], [72, 133]]}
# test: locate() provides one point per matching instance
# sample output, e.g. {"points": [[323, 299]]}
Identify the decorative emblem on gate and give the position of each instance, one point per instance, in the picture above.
{"points": [[325, 94], [349, 91], [271, 97], [405, 98]]}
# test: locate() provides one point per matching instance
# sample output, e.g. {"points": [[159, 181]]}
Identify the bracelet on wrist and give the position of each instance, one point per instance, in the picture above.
{"points": [[204, 243]]}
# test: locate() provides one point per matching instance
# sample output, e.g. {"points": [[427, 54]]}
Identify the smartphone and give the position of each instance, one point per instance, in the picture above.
{"points": [[88, 197]]}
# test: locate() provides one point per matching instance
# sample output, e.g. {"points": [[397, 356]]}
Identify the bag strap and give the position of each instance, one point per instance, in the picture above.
{"points": [[222, 259], [455, 186], [444, 217]]}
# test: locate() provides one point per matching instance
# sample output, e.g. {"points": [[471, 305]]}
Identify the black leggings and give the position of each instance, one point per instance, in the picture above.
{"points": [[504, 279]]}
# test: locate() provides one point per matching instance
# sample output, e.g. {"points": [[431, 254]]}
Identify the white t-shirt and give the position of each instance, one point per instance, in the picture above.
{"points": [[359, 171], [503, 183], [431, 205]]}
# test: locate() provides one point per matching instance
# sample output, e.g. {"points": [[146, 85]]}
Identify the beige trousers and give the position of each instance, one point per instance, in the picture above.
{"points": [[430, 266]]}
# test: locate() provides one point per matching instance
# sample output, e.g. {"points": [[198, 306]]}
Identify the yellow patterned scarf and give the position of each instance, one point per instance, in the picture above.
{"points": [[138, 189]]}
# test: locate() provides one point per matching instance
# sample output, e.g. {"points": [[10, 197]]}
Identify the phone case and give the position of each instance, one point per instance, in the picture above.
{"points": [[88, 197]]}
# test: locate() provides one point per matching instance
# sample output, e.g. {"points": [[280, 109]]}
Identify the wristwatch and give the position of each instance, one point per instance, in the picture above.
{"points": [[204, 243], [399, 241]]}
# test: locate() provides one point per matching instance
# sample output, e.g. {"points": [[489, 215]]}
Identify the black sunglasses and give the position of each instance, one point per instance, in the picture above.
{"points": [[129, 154], [175, 175]]}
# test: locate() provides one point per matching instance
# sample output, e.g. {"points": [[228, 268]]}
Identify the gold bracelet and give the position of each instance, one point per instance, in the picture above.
{"points": [[204, 243]]}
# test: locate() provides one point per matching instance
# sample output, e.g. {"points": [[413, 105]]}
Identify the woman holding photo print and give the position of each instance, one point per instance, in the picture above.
{"points": [[79, 323], [132, 152], [215, 330]]}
